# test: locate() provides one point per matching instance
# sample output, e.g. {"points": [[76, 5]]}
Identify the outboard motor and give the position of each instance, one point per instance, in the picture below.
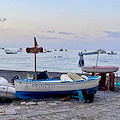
{"points": [[7, 91]]}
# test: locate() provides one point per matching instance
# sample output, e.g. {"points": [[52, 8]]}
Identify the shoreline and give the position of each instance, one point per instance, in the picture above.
{"points": [[9, 74]]}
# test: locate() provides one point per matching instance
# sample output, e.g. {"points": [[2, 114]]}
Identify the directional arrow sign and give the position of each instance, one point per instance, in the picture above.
{"points": [[34, 50]]}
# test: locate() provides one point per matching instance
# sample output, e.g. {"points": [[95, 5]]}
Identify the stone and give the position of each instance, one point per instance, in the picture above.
{"points": [[31, 103], [66, 98], [2, 111], [10, 111], [23, 103], [51, 104], [41, 102]]}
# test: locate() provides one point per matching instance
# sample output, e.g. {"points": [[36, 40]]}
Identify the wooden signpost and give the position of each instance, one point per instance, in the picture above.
{"points": [[34, 50]]}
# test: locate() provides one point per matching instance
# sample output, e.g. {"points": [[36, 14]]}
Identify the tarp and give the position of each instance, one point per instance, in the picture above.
{"points": [[3, 80]]}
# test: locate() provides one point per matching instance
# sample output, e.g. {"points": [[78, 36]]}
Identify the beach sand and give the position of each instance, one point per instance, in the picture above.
{"points": [[105, 106]]}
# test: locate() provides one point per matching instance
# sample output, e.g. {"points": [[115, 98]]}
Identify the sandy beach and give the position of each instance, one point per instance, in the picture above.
{"points": [[105, 106]]}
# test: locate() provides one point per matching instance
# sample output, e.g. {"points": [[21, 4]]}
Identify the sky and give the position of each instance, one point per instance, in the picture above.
{"points": [[56, 24]]}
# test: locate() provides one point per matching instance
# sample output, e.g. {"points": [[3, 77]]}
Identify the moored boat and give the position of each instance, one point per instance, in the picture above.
{"points": [[112, 53], [10, 52]]}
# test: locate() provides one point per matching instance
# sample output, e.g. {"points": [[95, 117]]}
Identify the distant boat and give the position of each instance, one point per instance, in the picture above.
{"points": [[102, 51], [20, 50], [112, 53], [48, 50], [61, 50], [10, 52]]}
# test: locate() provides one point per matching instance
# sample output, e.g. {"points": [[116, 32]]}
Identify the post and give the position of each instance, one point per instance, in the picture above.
{"points": [[35, 58], [34, 50], [112, 81]]}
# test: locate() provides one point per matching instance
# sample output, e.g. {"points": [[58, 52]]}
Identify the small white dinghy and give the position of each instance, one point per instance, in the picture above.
{"points": [[7, 90]]}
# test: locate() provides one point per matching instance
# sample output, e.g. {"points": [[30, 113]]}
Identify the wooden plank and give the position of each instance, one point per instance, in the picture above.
{"points": [[34, 50]]}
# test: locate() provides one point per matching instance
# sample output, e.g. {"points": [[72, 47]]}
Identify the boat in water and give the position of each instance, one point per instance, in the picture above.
{"points": [[112, 53], [10, 52], [19, 50], [46, 87]]}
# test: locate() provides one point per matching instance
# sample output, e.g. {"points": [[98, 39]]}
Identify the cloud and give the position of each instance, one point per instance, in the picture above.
{"points": [[112, 34], [3, 20], [50, 31], [65, 33], [80, 37]]}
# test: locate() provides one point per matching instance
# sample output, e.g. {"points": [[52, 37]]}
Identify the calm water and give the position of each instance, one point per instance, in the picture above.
{"points": [[55, 61]]}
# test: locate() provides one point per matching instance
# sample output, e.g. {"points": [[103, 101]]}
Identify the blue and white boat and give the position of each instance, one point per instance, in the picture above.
{"points": [[46, 87], [42, 86]]}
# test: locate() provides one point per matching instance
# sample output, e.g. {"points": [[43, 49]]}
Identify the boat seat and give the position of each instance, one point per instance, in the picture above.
{"points": [[43, 75], [74, 76], [64, 77]]}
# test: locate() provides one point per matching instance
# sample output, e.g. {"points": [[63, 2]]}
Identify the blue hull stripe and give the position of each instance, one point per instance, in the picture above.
{"points": [[37, 95]]}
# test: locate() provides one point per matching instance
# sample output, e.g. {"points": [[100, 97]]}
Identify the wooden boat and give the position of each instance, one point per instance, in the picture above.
{"points": [[43, 88], [100, 69]]}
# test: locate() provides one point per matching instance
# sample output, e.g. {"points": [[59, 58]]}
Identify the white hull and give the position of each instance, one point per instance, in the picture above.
{"points": [[10, 52], [24, 88]]}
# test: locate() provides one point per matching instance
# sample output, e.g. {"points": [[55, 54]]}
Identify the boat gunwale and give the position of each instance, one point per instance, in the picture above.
{"points": [[59, 81]]}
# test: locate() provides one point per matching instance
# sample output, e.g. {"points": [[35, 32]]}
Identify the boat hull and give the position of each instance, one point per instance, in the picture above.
{"points": [[100, 69], [47, 88], [37, 95]]}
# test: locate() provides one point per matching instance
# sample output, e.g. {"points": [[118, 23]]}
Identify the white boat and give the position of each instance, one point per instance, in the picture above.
{"points": [[43, 88], [100, 69], [19, 50], [112, 53], [10, 52], [7, 90]]}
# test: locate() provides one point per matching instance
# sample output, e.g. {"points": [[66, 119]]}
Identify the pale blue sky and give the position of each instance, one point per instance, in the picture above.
{"points": [[67, 24]]}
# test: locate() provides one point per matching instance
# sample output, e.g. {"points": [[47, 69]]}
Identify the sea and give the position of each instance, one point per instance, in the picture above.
{"points": [[55, 61]]}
